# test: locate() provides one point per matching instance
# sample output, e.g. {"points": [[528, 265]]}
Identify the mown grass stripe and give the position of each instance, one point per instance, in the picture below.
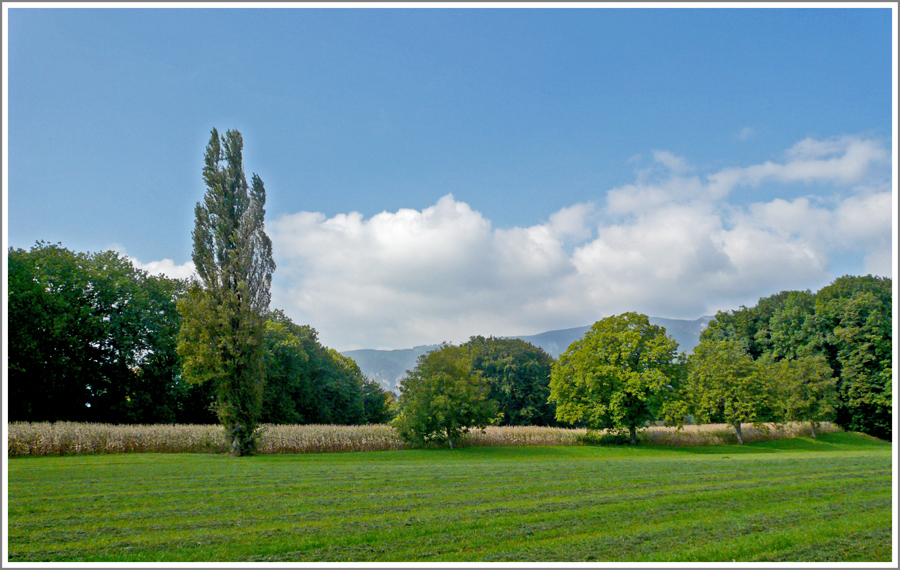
{"points": [[473, 504]]}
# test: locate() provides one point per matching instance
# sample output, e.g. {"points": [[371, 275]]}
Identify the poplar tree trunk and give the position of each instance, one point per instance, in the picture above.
{"points": [[812, 427], [633, 434], [242, 442]]}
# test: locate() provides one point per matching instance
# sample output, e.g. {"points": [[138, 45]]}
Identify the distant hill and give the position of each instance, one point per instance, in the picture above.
{"points": [[686, 333], [388, 367]]}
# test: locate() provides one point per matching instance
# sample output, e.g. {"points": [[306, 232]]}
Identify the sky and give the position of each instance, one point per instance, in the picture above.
{"points": [[437, 173]]}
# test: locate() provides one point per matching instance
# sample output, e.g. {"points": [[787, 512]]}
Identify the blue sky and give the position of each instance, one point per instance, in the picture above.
{"points": [[438, 173]]}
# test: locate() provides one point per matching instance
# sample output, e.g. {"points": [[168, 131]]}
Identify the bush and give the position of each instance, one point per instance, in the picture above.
{"points": [[442, 399], [606, 438]]}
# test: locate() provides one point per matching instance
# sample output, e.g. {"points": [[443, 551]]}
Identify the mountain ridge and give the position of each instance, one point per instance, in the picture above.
{"points": [[388, 367]]}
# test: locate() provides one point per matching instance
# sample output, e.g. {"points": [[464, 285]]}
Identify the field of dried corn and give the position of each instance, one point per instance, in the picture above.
{"points": [[69, 438]]}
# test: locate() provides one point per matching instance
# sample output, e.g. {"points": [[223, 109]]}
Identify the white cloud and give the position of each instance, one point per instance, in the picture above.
{"points": [[845, 161], [420, 277], [166, 267], [640, 197], [863, 219], [675, 164], [669, 245]]}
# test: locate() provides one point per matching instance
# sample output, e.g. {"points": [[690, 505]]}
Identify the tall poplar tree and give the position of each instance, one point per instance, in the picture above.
{"points": [[222, 334]]}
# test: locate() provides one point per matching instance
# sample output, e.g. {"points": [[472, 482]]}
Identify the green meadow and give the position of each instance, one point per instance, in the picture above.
{"points": [[797, 500]]}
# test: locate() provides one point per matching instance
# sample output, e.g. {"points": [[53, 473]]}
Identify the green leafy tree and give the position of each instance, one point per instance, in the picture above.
{"points": [[617, 377], [806, 387], [748, 326], [442, 398], [789, 331], [222, 336], [344, 390], [864, 351], [724, 381], [853, 330], [848, 323], [308, 383], [379, 404], [91, 338], [518, 374], [53, 334], [288, 378]]}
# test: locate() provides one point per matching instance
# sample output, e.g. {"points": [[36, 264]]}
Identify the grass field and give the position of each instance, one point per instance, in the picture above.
{"points": [[786, 500]]}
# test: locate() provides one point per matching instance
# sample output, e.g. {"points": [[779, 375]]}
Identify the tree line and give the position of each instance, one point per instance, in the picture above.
{"points": [[794, 357], [843, 329], [94, 339]]}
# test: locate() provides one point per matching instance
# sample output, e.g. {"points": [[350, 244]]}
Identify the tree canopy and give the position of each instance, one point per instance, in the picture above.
{"points": [[222, 334], [806, 389], [518, 376], [91, 338], [848, 323], [308, 383], [442, 398], [617, 377], [724, 383]]}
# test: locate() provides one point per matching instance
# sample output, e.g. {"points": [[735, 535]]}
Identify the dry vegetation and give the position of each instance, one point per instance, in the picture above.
{"points": [[68, 438], [723, 434]]}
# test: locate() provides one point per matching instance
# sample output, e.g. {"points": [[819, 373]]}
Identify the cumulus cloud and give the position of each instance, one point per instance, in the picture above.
{"points": [[166, 267], [846, 160], [669, 245], [439, 274]]}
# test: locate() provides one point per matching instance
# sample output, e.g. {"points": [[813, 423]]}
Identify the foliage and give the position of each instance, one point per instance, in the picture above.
{"points": [[618, 376], [806, 389], [862, 341], [310, 384], [788, 332], [746, 325], [379, 405], [343, 392], [442, 398], [222, 336], [724, 381], [518, 374], [91, 339], [848, 323], [602, 438]]}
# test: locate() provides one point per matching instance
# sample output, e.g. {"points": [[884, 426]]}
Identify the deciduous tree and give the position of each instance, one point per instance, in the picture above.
{"points": [[724, 381], [518, 374], [443, 398], [787, 333], [222, 336], [617, 377], [309, 383], [91, 338], [806, 389]]}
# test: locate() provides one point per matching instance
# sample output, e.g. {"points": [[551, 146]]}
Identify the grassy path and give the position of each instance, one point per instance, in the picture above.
{"points": [[789, 500]]}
